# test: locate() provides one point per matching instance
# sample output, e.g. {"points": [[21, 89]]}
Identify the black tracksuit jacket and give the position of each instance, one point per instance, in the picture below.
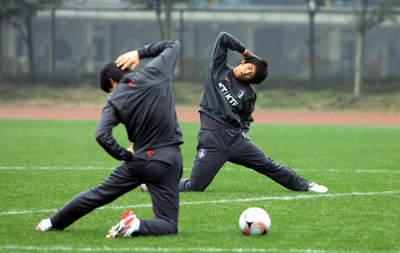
{"points": [[144, 103], [225, 98]]}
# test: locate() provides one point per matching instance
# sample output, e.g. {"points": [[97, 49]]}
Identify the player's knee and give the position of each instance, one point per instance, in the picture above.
{"points": [[172, 229]]}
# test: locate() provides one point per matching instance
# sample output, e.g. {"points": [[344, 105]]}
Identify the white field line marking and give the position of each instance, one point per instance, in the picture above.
{"points": [[224, 201], [323, 170], [148, 249], [189, 169], [54, 168]]}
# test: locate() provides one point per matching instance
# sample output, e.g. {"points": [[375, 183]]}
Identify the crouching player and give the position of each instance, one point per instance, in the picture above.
{"points": [[142, 101]]}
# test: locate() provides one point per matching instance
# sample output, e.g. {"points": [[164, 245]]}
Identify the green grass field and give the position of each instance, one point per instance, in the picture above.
{"points": [[43, 164]]}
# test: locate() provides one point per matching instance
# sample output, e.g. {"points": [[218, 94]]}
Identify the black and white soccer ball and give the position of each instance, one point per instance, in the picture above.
{"points": [[255, 221]]}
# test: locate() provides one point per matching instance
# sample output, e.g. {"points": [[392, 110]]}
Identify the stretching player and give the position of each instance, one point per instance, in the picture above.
{"points": [[142, 101], [226, 105]]}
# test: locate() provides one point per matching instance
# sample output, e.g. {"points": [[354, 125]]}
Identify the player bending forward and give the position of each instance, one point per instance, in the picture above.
{"points": [[226, 105], [143, 102]]}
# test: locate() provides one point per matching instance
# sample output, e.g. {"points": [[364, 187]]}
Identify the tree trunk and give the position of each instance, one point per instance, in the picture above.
{"points": [[181, 38], [311, 46], [168, 10], [358, 64], [159, 21], [53, 43], [32, 67], [1, 49], [358, 75]]}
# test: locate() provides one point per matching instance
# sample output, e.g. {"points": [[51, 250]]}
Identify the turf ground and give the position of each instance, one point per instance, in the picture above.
{"points": [[43, 164]]}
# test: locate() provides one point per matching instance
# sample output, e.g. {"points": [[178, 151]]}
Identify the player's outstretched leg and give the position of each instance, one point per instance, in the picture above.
{"points": [[129, 224], [246, 153]]}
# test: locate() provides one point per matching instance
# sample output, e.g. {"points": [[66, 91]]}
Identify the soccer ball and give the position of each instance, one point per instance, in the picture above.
{"points": [[254, 221]]}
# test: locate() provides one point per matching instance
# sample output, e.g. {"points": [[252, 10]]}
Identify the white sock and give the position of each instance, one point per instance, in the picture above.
{"points": [[136, 225]]}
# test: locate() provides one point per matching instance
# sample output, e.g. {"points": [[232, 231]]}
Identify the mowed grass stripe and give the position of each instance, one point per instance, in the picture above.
{"points": [[227, 201]]}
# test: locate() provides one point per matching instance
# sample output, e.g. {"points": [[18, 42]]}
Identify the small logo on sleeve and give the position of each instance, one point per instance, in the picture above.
{"points": [[132, 83], [241, 94], [150, 153], [202, 153]]}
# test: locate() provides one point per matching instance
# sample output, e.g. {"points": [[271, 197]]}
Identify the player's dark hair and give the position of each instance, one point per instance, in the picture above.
{"points": [[261, 70], [110, 70]]}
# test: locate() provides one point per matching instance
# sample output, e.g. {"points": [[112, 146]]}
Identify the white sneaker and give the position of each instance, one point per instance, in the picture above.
{"points": [[143, 187], [44, 225], [314, 187], [129, 223]]}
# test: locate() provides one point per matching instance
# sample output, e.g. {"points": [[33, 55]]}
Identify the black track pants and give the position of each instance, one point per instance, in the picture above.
{"points": [[219, 146], [162, 181]]}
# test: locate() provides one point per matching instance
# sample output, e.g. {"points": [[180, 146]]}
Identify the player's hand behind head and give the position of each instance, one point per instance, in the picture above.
{"points": [[127, 59], [249, 55]]}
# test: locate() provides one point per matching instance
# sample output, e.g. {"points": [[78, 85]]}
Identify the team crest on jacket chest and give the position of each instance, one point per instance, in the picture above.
{"points": [[241, 94]]}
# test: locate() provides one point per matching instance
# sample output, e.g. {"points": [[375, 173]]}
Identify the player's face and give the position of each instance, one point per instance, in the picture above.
{"points": [[245, 71]]}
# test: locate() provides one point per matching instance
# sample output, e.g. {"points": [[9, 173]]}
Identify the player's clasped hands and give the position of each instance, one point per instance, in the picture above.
{"points": [[245, 136], [130, 149], [129, 58]]}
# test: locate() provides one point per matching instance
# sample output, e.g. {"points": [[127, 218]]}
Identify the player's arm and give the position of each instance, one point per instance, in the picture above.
{"points": [[246, 116], [248, 55], [104, 137], [224, 42], [165, 53], [246, 121]]}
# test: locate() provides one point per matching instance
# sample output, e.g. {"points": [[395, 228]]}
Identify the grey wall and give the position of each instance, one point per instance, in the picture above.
{"points": [[86, 39]]}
